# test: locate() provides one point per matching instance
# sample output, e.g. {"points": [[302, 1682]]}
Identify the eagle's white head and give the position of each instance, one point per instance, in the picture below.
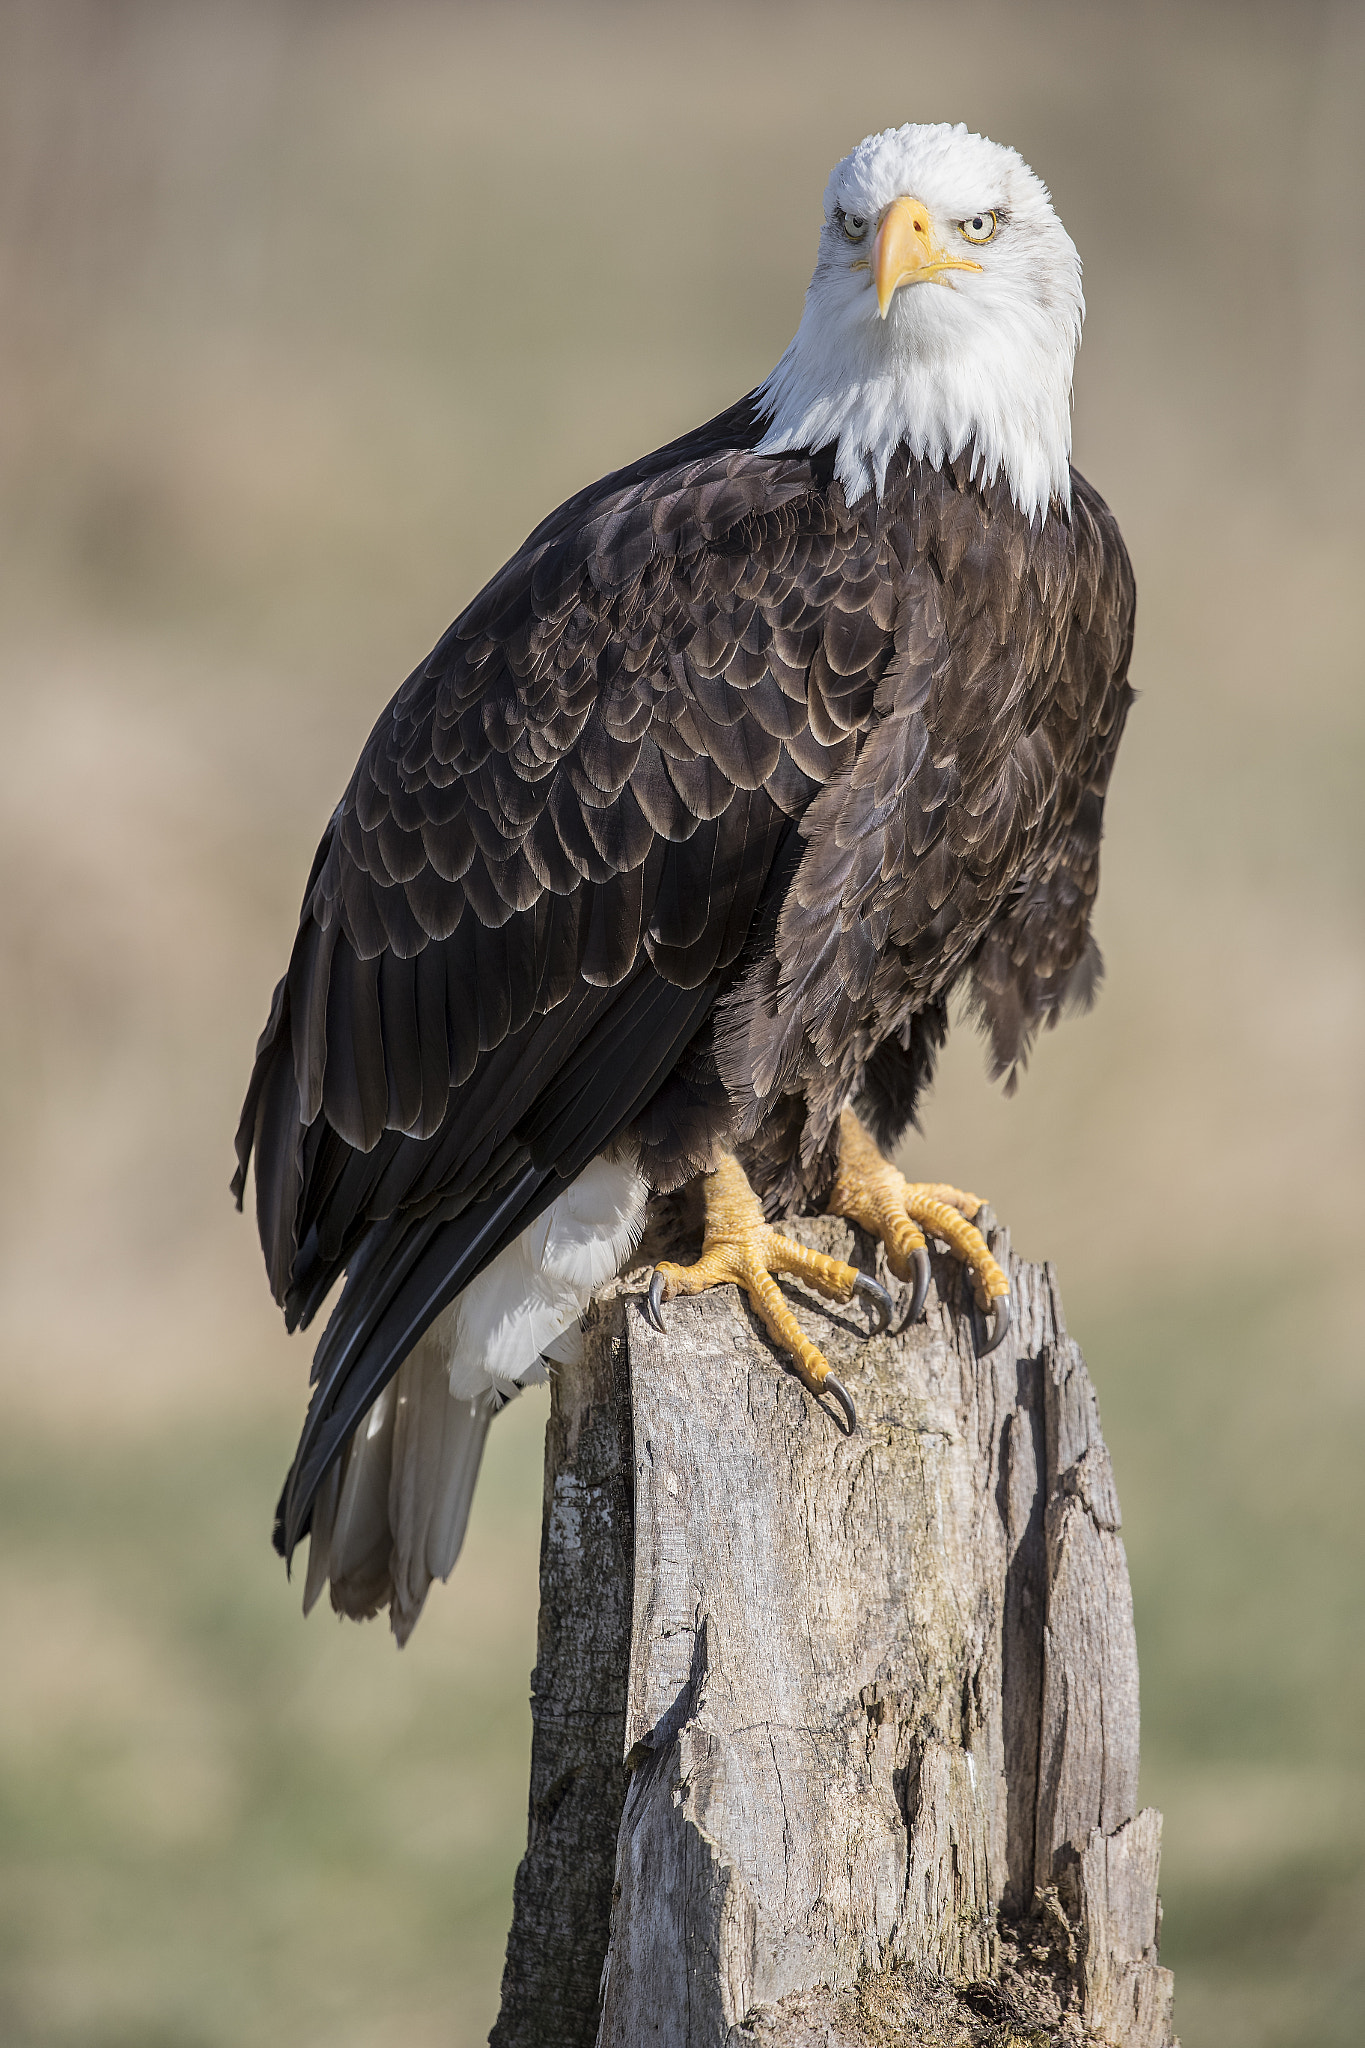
{"points": [[944, 315]]}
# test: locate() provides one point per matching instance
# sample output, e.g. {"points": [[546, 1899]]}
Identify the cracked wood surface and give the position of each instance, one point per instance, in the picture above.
{"points": [[876, 1696]]}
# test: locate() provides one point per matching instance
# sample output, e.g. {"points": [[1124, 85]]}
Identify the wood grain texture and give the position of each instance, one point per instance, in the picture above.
{"points": [[562, 1902], [880, 1716]]}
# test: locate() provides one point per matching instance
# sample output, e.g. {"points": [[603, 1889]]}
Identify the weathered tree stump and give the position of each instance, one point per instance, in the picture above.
{"points": [[836, 1739]]}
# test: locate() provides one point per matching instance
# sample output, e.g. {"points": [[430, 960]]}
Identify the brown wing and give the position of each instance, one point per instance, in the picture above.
{"points": [[543, 870], [964, 832], [1038, 957]]}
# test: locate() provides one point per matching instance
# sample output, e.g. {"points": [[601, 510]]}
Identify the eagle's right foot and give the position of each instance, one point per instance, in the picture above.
{"points": [[740, 1246], [871, 1192]]}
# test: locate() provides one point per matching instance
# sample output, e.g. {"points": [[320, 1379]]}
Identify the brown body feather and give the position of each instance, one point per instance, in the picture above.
{"points": [[684, 833]]}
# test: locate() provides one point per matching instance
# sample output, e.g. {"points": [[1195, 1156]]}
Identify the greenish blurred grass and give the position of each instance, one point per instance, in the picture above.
{"points": [[1239, 1449], [311, 311], [220, 1827]]}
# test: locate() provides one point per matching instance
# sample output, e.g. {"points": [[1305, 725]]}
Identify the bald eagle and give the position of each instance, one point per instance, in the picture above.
{"points": [[668, 859]]}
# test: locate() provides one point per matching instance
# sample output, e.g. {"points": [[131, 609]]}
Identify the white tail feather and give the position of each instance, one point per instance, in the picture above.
{"points": [[499, 1328], [360, 1544], [392, 1515], [437, 1449]]}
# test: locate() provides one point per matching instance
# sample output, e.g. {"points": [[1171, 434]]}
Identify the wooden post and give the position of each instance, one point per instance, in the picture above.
{"points": [[836, 1739]]}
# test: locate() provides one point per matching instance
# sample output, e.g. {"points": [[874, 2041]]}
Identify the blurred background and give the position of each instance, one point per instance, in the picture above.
{"points": [[308, 312]]}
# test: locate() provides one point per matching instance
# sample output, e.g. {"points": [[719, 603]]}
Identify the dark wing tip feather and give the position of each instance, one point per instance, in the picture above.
{"points": [[367, 1350]]}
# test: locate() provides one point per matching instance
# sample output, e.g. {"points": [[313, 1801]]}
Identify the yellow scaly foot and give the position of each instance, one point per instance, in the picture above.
{"points": [[740, 1246], [869, 1191]]}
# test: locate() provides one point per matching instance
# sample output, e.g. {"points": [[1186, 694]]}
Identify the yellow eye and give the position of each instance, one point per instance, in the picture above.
{"points": [[853, 225], [980, 228]]}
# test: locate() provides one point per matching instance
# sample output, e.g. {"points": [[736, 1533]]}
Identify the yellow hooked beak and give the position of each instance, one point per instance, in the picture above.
{"points": [[907, 251]]}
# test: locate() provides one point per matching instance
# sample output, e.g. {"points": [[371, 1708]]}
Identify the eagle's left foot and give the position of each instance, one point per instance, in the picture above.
{"points": [[869, 1191], [740, 1246]]}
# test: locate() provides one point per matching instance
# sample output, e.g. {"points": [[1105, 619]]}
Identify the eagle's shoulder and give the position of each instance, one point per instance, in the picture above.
{"points": [[669, 640]]}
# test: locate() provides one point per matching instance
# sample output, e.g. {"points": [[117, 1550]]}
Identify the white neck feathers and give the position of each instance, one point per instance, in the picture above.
{"points": [[1010, 407]]}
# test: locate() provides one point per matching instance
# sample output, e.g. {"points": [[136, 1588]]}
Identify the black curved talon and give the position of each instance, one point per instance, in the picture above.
{"points": [[654, 1301], [841, 1394], [873, 1291], [1000, 1323], [919, 1261]]}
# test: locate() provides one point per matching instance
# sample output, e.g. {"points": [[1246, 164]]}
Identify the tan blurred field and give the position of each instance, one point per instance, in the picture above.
{"points": [[307, 313]]}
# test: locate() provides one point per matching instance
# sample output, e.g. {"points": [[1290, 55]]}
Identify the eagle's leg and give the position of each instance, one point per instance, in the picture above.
{"points": [[740, 1246], [869, 1191]]}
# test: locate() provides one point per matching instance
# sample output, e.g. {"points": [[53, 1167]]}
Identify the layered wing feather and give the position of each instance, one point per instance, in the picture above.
{"points": [[546, 864], [963, 832]]}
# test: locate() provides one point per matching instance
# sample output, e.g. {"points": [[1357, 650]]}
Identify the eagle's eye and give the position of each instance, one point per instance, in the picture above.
{"points": [[854, 225], [980, 228]]}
